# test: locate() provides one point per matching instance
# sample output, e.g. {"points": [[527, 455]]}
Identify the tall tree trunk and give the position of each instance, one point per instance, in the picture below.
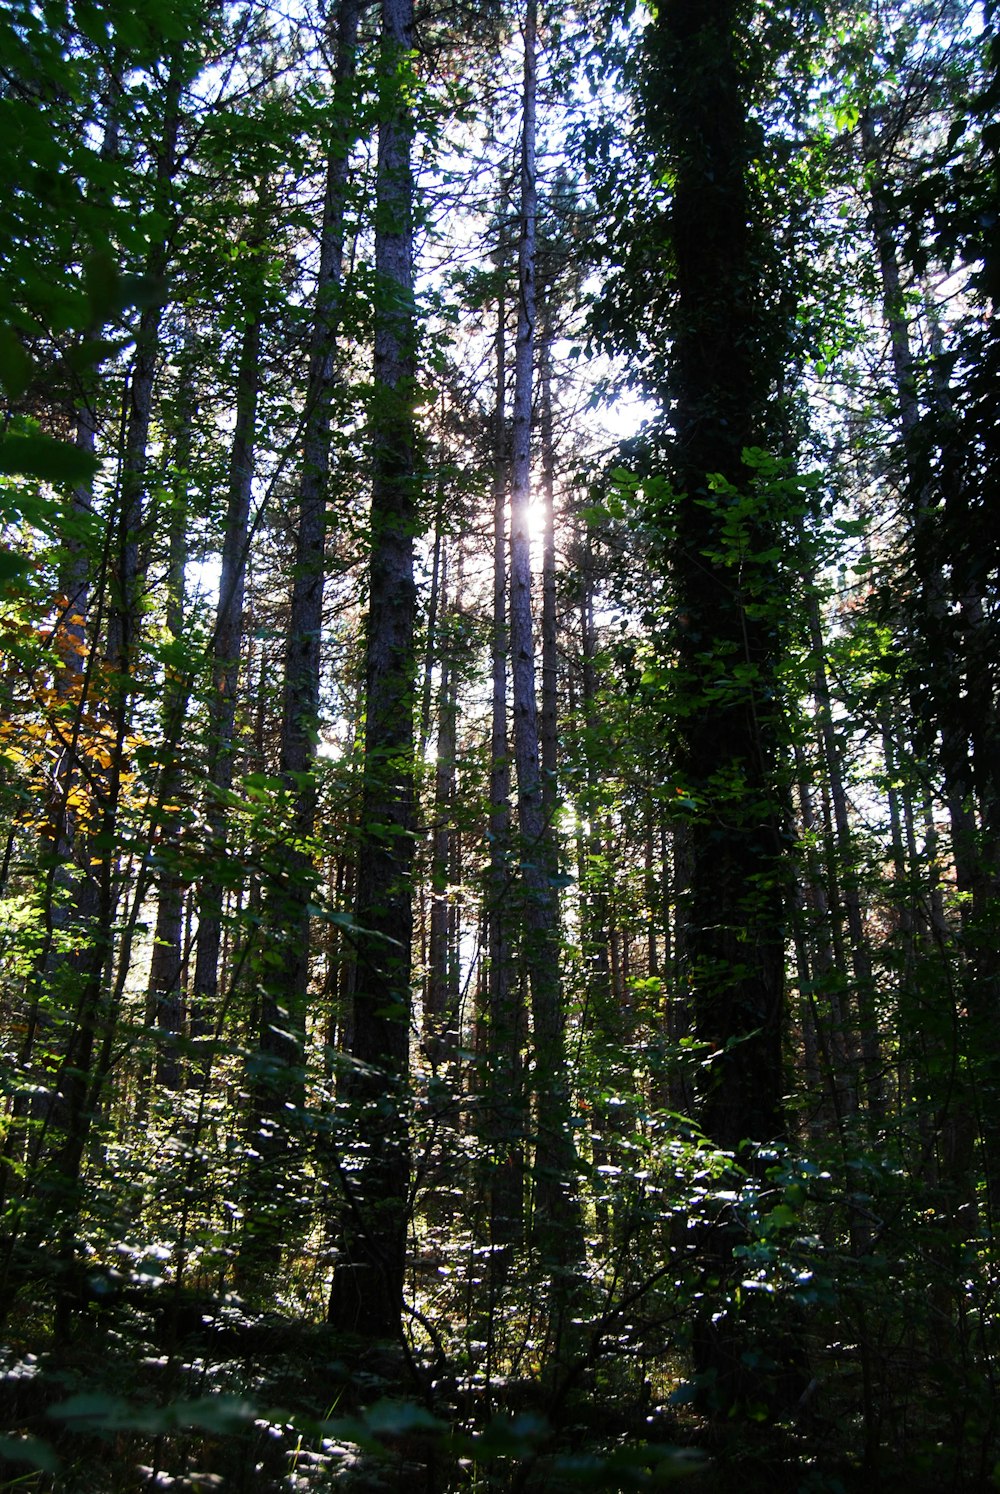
{"points": [[278, 1085], [557, 1221], [76, 1088], [727, 604], [842, 877], [367, 1294], [595, 873], [503, 1090], [550, 636], [226, 651], [828, 976], [69, 894], [121, 655], [435, 605], [967, 735], [596, 905], [165, 994], [123, 618], [735, 905], [440, 1037]]}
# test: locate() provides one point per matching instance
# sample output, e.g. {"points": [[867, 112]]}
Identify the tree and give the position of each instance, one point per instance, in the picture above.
{"points": [[670, 1059], [721, 546], [284, 990], [368, 1281], [555, 1163]]}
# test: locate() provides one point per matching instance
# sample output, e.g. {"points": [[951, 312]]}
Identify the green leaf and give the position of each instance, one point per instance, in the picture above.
{"points": [[516, 1436], [47, 459], [780, 1218], [15, 365], [30, 1450], [634, 1467], [13, 567], [398, 1418], [108, 1413]]}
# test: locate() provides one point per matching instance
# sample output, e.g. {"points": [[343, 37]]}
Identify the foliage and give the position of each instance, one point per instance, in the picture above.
{"points": [[770, 608]]}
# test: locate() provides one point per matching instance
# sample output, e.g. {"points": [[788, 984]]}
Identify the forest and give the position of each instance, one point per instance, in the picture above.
{"points": [[499, 745]]}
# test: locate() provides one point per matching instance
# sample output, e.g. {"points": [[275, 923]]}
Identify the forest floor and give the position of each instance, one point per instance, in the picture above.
{"points": [[134, 1399]]}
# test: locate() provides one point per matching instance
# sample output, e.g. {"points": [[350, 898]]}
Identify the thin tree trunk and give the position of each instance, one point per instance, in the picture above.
{"points": [[550, 656], [75, 1090], [440, 1038], [557, 1221], [595, 911], [123, 616], [842, 874], [835, 1036], [503, 1097], [967, 751], [435, 606], [227, 640], [283, 1018], [278, 1085], [651, 889], [165, 993]]}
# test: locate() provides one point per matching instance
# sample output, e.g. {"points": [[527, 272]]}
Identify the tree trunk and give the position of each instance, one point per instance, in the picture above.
{"points": [[503, 1099], [955, 675], [550, 655], [165, 999], [828, 978], [69, 894], [727, 603], [367, 1295], [227, 639], [735, 902], [842, 877], [441, 1037], [557, 1221], [73, 1090], [278, 1084]]}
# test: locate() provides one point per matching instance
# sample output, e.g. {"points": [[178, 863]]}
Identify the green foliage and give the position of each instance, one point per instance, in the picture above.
{"points": [[152, 1141]]}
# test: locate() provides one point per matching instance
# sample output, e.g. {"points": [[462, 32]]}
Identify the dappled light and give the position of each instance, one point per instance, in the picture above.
{"points": [[499, 764]]}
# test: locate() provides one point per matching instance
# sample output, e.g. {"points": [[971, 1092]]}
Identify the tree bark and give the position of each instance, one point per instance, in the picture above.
{"points": [[503, 1092], [227, 642], [735, 904], [961, 698], [75, 1088], [845, 896], [727, 600], [165, 999], [441, 1036], [278, 1081], [556, 1218], [550, 632], [367, 1294]]}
